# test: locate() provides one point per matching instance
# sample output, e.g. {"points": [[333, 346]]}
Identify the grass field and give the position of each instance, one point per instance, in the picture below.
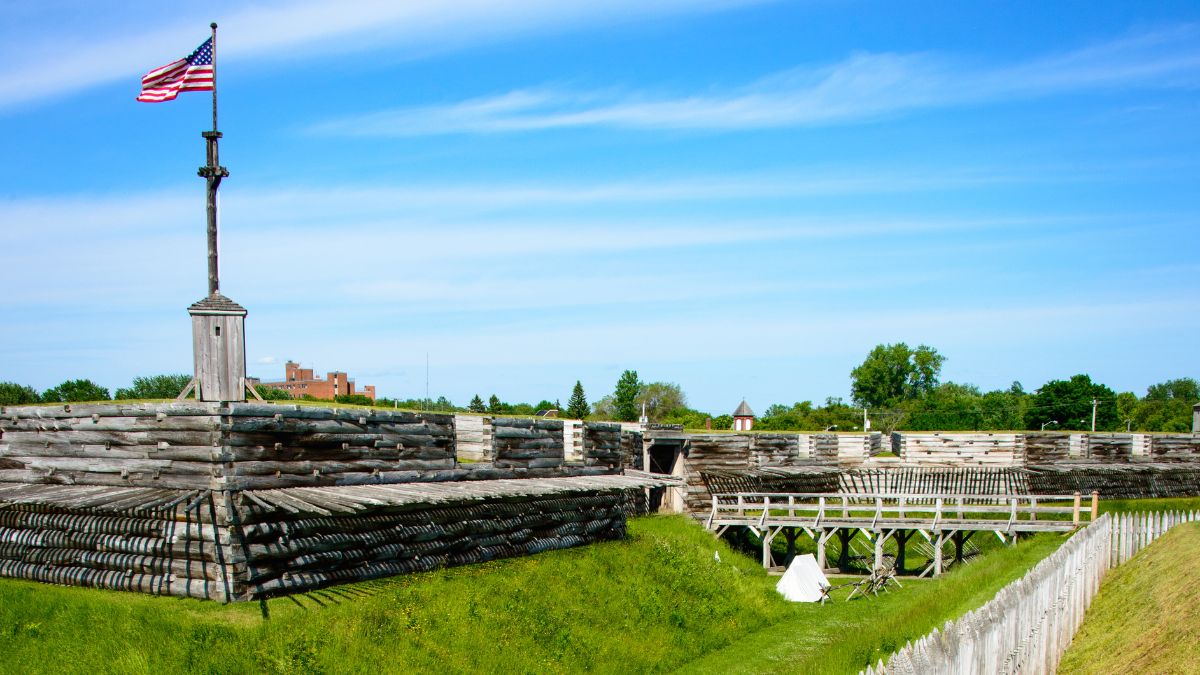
{"points": [[1146, 618], [656, 602], [652, 603]]}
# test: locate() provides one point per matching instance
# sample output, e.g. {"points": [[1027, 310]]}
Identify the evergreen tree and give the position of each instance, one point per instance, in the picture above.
{"points": [[625, 404], [494, 404], [476, 405], [577, 405]]}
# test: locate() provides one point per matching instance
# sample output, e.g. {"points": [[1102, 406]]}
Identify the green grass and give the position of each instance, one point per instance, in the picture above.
{"points": [[656, 602], [652, 603], [845, 637], [1146, 618]]}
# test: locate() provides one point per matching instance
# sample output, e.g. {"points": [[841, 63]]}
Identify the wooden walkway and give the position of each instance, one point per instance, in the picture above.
{"points": [[879, 517]]}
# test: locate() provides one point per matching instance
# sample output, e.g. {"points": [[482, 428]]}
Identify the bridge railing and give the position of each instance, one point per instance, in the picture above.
{"points": [[812, 509]]}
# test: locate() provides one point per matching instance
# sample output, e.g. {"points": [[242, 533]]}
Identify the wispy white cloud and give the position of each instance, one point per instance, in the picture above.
{"points": [[488, 205], [862, 87], [36, 65]]}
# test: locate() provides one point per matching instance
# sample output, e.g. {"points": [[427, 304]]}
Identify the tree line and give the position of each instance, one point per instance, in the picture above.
{"points": [[895, 387]]}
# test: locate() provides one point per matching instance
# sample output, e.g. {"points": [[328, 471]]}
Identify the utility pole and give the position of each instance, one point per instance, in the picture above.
{"points": [[866, 422], [1095, 402]]}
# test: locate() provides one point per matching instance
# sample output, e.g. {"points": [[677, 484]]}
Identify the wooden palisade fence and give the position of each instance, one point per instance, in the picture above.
{"points": [[1030, 623]]}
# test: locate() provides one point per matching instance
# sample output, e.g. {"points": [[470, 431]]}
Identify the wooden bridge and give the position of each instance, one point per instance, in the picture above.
{"points": [[938, 518]]}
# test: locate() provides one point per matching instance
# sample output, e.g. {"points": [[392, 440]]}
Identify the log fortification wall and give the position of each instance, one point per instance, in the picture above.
{"points": [[240, 501], [1116, 465]]}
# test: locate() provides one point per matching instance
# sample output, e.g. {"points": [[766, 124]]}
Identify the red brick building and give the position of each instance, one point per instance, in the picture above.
{"points": [[301, 381]]}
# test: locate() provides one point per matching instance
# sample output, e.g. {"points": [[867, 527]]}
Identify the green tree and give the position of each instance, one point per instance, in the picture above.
{"points": [[950, 406], [892, 374], [604, 409], [1004, 409], [154, 386], [494, 405], [476, 405], [625, 403], [577, 405], [661, 399], [12, 393], [354, 399], [1167, 406], [75, 390], [1068, 403]]}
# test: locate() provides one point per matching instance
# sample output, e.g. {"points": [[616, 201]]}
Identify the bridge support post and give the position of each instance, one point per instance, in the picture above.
{"points": [[823, 539], [880, 539], [845, 536], [937, 553], [902, 537], [790, 535]]}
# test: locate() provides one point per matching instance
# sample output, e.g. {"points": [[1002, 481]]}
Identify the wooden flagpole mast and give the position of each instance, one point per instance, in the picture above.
{"points": [[213, 172]]}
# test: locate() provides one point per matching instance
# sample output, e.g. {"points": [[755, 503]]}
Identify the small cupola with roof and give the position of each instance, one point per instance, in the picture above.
{"points": [[743, 417], [219, 349]]}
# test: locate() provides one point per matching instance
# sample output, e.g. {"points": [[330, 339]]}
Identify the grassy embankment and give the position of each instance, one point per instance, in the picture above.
{"points": [[656, 602], [652, 603], [1146, 618]]}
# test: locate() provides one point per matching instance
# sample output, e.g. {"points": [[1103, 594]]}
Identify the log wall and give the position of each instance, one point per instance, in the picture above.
{"points": [[961, 449], [219, 446], [1109, 447], [528, 443], [632, 449], [289, 554], [1046, 447], [473, 437], [261, 543], [184, 550], [602, 445], [1175, 447]]}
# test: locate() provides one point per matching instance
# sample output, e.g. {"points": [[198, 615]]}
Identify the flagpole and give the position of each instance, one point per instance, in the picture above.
{"points": [[214, 60], [213, 172]]}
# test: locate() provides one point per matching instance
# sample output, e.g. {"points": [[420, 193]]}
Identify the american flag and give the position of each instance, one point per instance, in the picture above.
{"points": [[195, 73]]}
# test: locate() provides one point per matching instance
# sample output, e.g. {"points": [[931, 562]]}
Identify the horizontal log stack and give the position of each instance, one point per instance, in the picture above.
{"points": [[774, 449], [823, 448], [260, 543], [473, 437], [238, 501], [1046, 447], [528, 443], [291, 546], [1175, 447], [632, 449], [724, 453], [961, 449], [1131, 480], [220, 447], [149, 540], [602, 445], [1109, 447]]}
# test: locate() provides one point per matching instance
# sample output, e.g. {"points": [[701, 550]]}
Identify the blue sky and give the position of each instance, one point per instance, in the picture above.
{"points": [[739, 196]]}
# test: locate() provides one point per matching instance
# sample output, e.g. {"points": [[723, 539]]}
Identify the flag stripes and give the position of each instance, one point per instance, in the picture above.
{"points": [[194, 73]]}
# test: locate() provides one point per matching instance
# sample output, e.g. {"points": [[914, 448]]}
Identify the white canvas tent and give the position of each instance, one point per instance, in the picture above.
{"points": [[803, 580]]}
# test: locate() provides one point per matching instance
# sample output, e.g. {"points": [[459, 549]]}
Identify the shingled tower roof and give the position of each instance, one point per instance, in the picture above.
{"points": [[217, 304], [743, 410]]}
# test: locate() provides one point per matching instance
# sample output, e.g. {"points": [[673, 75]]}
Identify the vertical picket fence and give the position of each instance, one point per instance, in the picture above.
{"points": [[1029, 624]]}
